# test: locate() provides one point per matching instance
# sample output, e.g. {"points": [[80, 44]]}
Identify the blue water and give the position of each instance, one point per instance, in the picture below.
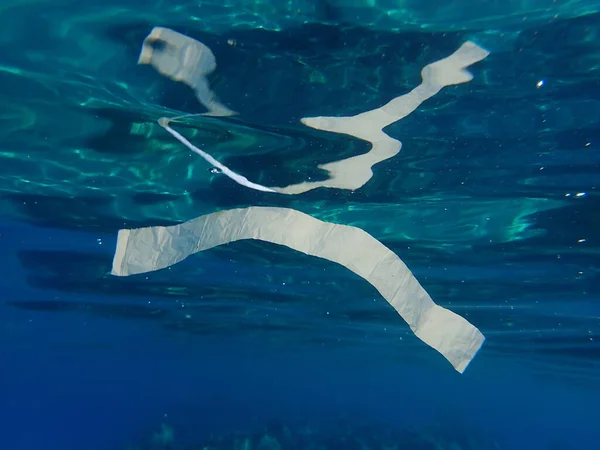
{"points": [[493, 204]]}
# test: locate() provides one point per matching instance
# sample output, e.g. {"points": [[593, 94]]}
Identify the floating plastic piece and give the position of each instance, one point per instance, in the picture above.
{"points": [[183, 59], [350, 173], [148, 249]]}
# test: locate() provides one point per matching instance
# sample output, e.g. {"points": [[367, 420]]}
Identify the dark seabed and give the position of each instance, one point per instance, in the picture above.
{"points": [[492, 203]]}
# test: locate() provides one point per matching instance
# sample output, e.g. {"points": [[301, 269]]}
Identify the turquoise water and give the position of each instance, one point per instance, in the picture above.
{"points": [[491, 202]]}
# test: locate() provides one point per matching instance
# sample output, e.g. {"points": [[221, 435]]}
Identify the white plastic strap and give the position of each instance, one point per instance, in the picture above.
{"points": [[148, 249]]}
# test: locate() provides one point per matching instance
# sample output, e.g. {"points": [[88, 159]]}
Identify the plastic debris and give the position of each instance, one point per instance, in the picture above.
{"points": [[189, 60], [186, 60], [149, 249]]}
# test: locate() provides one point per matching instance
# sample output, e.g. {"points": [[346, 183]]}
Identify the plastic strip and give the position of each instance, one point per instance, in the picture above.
{"points": [[148, 249]]}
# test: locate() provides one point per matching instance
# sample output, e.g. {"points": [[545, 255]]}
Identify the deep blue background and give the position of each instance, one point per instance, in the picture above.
{"points": [[481, 204]]}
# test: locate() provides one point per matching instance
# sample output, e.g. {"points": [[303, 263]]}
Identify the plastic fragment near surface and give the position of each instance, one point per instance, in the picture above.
{"points": [[148, 249]]}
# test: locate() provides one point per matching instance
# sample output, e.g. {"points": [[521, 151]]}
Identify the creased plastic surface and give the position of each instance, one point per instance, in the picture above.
{"points": [[148, 249], [353, 173], [186, 60]]}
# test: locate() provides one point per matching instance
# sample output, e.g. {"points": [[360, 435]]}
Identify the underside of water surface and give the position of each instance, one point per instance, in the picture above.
{"points": [[492, 203]]}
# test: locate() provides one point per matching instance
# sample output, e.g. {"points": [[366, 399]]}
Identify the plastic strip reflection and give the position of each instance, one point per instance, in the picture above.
{"points": [[187, 60]]}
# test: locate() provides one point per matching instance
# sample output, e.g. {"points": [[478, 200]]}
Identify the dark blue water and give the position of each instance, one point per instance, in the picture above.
{"points": [[492, 203]]}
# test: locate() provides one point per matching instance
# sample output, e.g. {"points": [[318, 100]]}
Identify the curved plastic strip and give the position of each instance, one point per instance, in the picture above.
{"points": [[148, 249], [353, 173], [183, 59]]}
